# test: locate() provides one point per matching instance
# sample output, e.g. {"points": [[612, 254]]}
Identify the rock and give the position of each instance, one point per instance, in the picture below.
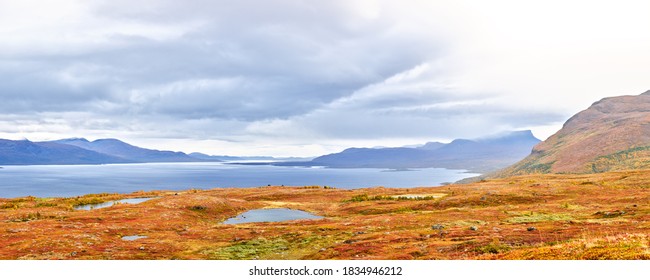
{"points": [[531, 229], [474, 228], [198, 207], [141, 248], [437, 226]]}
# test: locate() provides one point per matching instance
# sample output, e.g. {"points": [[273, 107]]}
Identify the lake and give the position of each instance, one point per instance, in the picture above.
{"points": [[270, 215], [111, 203], [74, 180]]}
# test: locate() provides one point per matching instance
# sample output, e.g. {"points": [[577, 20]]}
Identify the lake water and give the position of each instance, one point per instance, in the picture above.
{"points": [[133, 237], [271, 215], [111, 203], [74, 180]]}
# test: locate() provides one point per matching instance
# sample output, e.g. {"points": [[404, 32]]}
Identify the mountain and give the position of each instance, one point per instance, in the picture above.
{"points": [[612, 134], [431, 146], [372, 157], [228, 158], [117, 148], [480, 155], [206, 157], [35, 153], [103, 151]]}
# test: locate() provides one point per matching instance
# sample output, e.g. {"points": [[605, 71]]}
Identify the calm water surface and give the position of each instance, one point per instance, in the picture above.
{"points": [[271, 215], [133, 237], [111, 203], [74, 180]]}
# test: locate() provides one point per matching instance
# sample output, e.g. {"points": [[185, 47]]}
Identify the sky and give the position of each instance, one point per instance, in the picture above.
{"points": [[306, 78]]}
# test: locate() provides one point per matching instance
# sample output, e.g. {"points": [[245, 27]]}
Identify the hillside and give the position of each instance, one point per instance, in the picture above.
{"points": [[117, 148], [612, 134], [480, 155], [27, 152]]}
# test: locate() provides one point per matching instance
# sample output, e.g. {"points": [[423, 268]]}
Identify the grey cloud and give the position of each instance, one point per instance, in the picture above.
{"points": [[432, 124], [290, 56], [413, 104], [236, 70], [29, 93]]}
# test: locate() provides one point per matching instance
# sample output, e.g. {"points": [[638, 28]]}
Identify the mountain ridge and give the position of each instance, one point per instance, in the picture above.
{"points": [[25, 152], [479, 155], [118, 148], [612, 134]]}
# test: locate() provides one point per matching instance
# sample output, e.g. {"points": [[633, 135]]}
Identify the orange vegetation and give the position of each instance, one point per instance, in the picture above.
{"points": [[597, 216]]}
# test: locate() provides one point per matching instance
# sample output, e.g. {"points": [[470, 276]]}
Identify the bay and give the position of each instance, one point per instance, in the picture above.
{"points": [[75, 180]]}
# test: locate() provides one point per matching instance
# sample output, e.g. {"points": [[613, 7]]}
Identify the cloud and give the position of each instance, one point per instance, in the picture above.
{"points": [[411, 104], [281, 58], [314, 75]]}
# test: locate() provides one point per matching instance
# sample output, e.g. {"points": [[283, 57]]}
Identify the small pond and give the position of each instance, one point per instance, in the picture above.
{"points": [[420, 196], [271, 215], [133, 237], [111, 203]]}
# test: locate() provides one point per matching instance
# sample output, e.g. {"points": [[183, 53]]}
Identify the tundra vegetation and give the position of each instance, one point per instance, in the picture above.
{"points": [[562, 216]]}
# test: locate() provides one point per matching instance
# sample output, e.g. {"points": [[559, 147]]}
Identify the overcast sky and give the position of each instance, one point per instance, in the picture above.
{"points": [[305, 78]]}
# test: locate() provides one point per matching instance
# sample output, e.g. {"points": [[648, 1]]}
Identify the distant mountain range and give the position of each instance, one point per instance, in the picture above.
{"points": [[82, 151], [117, 148], [612, 134], [480, 155], [101, 151], [26, 152]]}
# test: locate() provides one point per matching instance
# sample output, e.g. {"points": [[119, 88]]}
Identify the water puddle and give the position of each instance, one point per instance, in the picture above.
{"points": [[111, 203], [271, 215], [133, 237], [420, 196]]}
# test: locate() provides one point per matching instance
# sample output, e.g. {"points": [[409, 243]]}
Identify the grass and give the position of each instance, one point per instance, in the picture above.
{"points": [[366, 197], [249, 250], [533, 217], [633, 158], [493, 248], [526, 217], [618, 247]]}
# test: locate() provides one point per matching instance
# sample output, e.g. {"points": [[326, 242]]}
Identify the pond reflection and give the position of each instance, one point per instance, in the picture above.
{"points": [[271, 215], [111, 203]]}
